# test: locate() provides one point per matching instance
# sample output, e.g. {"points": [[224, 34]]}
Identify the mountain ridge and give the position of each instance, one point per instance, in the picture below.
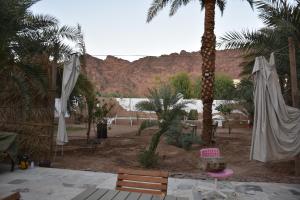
{"points": [[117, 75]]}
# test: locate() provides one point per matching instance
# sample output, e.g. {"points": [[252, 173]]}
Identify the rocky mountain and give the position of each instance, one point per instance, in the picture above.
{"points": [[115, 75]]}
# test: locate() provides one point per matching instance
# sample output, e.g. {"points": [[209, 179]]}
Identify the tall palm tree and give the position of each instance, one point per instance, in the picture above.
{"points": [[282, 20], [208, 51]]}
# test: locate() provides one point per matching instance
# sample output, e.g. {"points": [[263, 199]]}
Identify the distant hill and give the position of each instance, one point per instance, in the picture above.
{"points": [[134, 78]]}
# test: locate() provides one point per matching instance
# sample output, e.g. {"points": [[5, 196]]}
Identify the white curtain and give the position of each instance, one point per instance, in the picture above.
{"points": [[276, 128], [70, 75]]}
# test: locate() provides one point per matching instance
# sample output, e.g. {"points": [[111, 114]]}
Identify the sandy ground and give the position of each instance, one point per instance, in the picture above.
{"points": [[122, 146]]}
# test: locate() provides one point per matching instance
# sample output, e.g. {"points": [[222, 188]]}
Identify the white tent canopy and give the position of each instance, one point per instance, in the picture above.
{"points": [[70, 75], [276, 129]]}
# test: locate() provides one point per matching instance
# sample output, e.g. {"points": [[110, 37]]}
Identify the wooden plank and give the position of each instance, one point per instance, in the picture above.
{"points": [[121, 195], [133, 196], [155, 186], [143, 172], [85, 194], [158, 197], [153, 192], [98, 194], [143, 178], [181, 198], [109, 195], [145, 197]]}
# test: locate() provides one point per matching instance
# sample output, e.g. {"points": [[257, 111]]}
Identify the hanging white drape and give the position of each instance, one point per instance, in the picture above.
{"points": [[276, 128], [70, 75]]}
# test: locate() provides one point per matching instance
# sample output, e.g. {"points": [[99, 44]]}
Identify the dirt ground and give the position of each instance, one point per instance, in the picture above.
{"points": [[122, 146]]}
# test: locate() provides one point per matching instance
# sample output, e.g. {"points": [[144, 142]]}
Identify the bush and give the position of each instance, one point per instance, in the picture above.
{"points": [[148, 159], [193, 115], [182, 140]]}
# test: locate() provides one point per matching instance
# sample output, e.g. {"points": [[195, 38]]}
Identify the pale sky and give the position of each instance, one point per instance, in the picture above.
{"points": [[118, 27]]}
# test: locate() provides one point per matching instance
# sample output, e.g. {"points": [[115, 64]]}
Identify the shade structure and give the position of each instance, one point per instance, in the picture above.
{"points": [[276, 128], [70, 75]]}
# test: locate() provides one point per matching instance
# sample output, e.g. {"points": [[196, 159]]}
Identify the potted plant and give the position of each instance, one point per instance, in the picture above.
{"points": [[103, 110]]}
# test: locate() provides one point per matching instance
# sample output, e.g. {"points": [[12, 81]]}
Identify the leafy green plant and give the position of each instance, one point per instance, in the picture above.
{"points": [[103, 109], [169, 110]]}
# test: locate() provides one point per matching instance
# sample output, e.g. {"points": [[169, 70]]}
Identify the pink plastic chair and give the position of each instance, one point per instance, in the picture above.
{"points": [[215, 153]]}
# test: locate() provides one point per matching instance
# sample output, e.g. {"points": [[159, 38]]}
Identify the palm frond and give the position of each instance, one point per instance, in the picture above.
{"points": [[221, 5], [34, 22], [176, 4], [68, 32], [155, 7], [146, 106], [235, 40], [251, 3]]}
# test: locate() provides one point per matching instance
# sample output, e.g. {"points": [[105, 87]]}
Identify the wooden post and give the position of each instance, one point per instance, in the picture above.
{"points": [[52, 94], [294, 86], [293, 72], [297, 165]]}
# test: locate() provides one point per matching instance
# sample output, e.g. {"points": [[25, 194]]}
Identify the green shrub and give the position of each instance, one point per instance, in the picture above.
{"points": [[148, 159], [186, 141], [193, 115], [182, 140]]}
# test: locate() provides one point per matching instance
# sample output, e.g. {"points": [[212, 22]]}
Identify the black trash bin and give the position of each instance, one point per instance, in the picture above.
{"points": [[102, 130]]}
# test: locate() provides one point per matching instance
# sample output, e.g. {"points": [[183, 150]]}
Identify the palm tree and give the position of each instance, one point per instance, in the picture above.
{"points": [[29, 45], [169, 110], [282, 20], [207, 51]]}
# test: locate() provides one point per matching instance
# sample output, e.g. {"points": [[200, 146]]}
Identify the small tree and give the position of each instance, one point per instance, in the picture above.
{"points": [[169, 110], [182, 84], [225, 110]]}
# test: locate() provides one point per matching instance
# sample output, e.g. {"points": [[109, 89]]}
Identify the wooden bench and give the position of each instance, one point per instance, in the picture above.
{"points": [[14, 196], [150, 182]]}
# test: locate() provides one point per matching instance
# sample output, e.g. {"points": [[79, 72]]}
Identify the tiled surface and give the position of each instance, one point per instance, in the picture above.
{"points": [[63, 184]]}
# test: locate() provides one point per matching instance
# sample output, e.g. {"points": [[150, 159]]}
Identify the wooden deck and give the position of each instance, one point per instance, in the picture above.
{"points": [[106, 194]]}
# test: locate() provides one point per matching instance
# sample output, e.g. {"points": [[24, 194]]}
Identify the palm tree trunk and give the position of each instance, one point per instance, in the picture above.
{"points": [[208, 53], [90, 107], [154, 142]]}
